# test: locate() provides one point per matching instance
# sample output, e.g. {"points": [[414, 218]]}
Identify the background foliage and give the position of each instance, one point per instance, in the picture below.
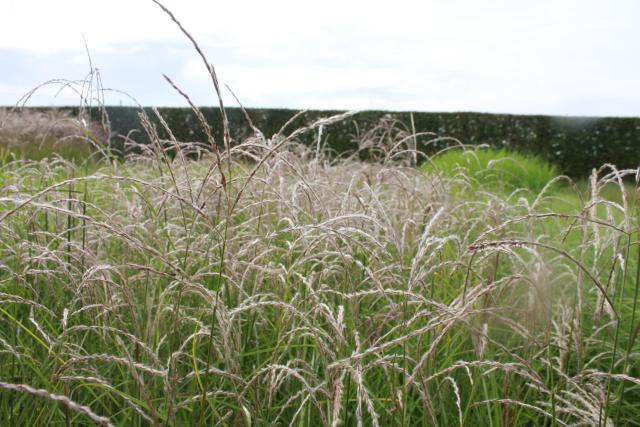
{"points": [[575, 144]]}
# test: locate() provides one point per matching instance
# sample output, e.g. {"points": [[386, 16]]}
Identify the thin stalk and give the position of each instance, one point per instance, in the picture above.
{"points": [[625, 367], [603, 413]]}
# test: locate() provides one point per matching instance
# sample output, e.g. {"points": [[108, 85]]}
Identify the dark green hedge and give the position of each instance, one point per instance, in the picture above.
{"points": [[575, 144]]}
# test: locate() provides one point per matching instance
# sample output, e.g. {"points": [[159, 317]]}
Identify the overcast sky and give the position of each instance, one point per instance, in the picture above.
{"points": [[562, 57]]}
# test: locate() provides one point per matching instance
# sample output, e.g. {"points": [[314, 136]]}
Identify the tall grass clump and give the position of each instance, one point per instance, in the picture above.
{"points": [[499, 169], [268, 284], [29, 134]]}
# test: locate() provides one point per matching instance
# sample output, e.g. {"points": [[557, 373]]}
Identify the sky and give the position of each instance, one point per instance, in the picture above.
{"points": [[557, 57]]}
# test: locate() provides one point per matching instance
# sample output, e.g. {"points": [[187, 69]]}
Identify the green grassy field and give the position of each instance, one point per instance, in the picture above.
{"points": [[294, 289]]}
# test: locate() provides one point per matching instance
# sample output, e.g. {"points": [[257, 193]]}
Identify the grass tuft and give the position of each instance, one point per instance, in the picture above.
{"points": [[497, 169]]}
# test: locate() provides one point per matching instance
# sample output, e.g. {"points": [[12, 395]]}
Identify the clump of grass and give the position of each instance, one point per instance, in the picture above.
{"points": [[498, 169], [29, 134], [300, 289]]}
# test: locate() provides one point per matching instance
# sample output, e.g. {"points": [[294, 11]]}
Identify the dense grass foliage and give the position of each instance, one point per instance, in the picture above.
{"points": [[498, 169], [27, 134], [274, 286], [265, 282]]}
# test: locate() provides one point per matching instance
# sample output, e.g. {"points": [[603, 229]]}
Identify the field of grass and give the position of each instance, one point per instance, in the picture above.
{"points": [[264, 283], [293, 289]]}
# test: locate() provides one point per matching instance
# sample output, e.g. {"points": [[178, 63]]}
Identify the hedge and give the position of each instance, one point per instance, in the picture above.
{"points": [[575, 144]]}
